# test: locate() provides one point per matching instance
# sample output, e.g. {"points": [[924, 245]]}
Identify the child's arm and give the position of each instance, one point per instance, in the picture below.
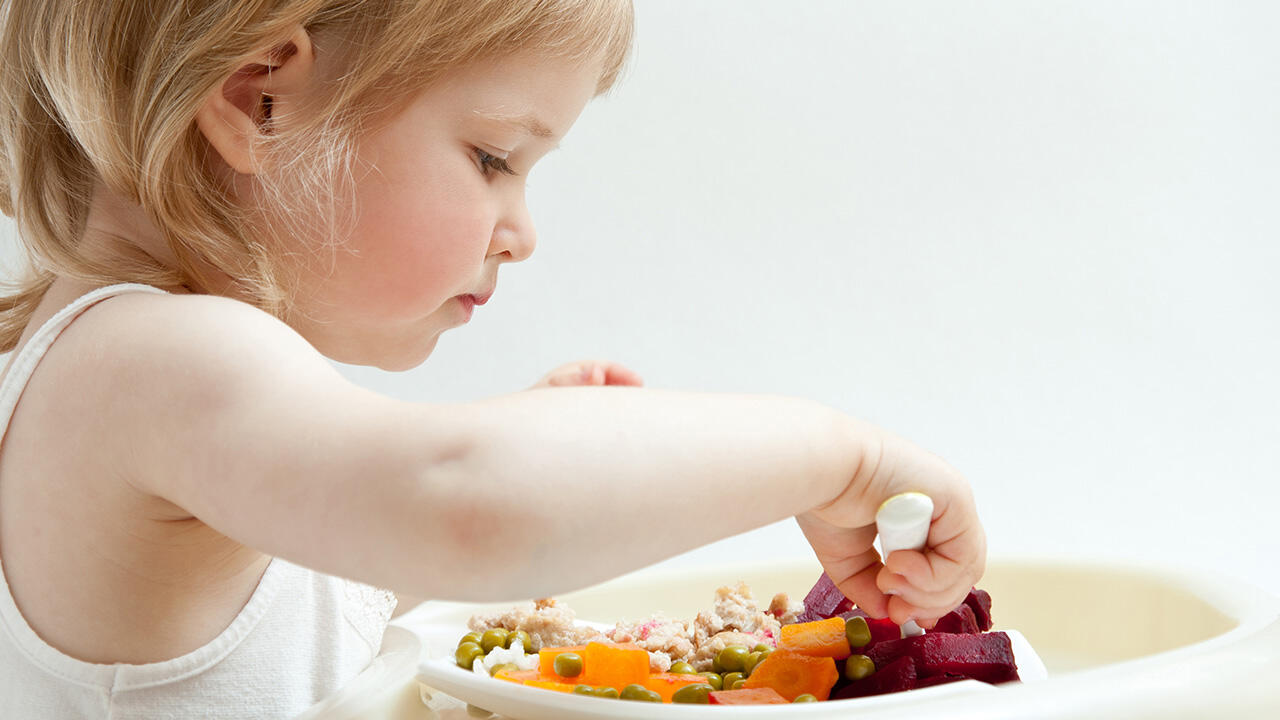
{"points": [[241, 423]]}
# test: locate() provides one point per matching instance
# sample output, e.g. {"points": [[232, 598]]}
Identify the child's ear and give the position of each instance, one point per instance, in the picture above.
{"points": [[244, 106]]}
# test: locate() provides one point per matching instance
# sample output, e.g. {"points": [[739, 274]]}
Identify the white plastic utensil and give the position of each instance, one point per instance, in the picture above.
{"points": [[903, 524]]}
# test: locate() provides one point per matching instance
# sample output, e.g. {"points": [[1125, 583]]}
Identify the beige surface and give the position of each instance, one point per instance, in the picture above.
{"points": [[1118, 640]]}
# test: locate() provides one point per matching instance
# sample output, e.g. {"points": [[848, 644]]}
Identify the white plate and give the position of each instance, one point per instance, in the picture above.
{"points": [[1123, 641], [525, 703]]}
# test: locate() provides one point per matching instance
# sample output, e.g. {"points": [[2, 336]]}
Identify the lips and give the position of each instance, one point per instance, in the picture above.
{"points": [[469, 302]]}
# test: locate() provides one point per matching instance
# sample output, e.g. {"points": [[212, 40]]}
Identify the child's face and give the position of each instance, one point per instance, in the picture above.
{"points": [[435, 216]]}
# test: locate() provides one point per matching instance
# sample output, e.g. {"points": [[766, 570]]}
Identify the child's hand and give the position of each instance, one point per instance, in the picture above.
{"points": [[589, 372], [908, 585]]}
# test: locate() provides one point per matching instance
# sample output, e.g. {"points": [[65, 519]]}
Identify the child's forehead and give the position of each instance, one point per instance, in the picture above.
{"points": [[527, 121], [531, 95]]}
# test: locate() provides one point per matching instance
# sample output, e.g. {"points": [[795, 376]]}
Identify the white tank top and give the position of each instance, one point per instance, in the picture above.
{"points": [[301, 636]]}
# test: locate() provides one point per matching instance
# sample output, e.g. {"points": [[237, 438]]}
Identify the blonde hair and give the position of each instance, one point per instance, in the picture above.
{"points": [[106, 92]]}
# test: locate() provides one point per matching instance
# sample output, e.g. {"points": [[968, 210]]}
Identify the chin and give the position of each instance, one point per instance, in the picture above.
{"points": [[390, 357], [405, 358]]}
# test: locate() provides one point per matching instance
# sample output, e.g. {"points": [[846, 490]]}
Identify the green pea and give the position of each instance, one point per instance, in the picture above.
{"points": [[752, 661], [858, 667], [466, 654], [522, 639], [728, 679], [731, 657], [737, 684], [471, 637], [584, 690], [682, 668], [761, 647], [503, 667], [639, 692], [493, 638], [693, 694], [607, 692], [856, 630], [567, 664], [714, 680], [806, 697]]}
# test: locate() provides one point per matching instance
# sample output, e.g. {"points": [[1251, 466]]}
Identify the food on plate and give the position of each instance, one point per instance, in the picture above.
{"points": [[735, 619], [793, 674], [738, 653], [754, 696]]}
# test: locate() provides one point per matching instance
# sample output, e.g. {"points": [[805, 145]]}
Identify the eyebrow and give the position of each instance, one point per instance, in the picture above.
{"points": [[524, 121]]}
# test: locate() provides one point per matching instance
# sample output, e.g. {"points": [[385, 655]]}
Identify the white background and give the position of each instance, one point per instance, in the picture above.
{"points": [[1037, 238]]}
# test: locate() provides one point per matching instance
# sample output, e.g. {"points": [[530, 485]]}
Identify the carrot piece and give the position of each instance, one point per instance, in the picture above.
{"points": [[551, 685], [518, 676], [793, 674], [547, 662], [745, 696], [820, 638], [666, 684], [615, 665]]}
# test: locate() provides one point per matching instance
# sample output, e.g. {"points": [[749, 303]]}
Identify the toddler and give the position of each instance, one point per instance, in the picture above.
{"points": [[197, 512]]}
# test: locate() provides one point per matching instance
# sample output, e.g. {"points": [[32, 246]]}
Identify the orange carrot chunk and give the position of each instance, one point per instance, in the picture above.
{"points": [[550, 685], [793, 674], [547, 662], [745, 696], [820, 638], [518, 676], [615, 665], [666, 684]]}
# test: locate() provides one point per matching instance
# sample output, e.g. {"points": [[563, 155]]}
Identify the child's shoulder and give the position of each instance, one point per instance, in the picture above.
{"points": [[143, 364], [149, 336], [142, 381]]}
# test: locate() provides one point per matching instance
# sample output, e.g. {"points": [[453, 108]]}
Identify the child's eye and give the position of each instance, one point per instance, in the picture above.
{"points": [[490, 163]]}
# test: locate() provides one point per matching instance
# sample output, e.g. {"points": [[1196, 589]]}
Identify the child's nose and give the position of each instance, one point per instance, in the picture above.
{"points": [[514, 234]]}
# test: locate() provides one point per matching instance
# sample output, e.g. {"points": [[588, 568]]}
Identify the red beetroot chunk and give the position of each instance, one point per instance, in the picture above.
{"points": [[987, 657], [882, 629], [900, 674], [937, 680], [960, 620], [980, 602], [824, 601]]}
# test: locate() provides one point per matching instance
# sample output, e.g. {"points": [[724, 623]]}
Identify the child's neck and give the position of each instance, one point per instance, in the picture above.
{"points": [[118, 228]]}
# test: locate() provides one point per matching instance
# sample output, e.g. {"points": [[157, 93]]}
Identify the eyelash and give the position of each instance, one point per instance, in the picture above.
{"points": [[490, 163]]}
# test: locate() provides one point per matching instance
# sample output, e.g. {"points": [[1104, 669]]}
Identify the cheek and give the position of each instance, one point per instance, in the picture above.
{"points": [[420, 239]]}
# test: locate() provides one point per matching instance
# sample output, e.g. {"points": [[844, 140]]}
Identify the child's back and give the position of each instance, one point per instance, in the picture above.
{"points": [[131, 607]]}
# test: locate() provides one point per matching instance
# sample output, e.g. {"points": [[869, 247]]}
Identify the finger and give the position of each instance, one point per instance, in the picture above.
{"points": [[926, 604], [860, 587], [616, 374], [901, 611], [567, 378], [946, 594], [593, 374], [925, 571], [850, 560]]}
